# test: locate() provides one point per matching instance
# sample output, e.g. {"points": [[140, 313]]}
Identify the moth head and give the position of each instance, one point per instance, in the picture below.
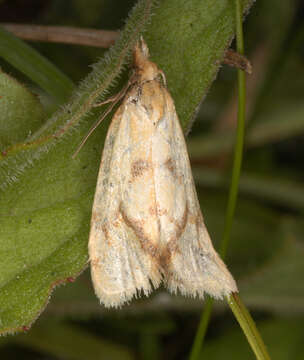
{"points": [[144, 68]]}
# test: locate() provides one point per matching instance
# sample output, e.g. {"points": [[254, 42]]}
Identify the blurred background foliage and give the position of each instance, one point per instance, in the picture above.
{"points": [[267, 248]]}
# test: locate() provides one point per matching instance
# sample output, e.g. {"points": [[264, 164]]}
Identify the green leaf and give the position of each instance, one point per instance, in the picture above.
{"points": [[21, 112], [249, 250], [282, 123], [188, 42], [45, 215], [282, 337], [67, 341], [276, 191], [46, 204], [278, 285], [35, 66]]}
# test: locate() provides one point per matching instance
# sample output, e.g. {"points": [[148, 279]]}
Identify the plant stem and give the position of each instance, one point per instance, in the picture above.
{"points": [[248, 326], [241, 313], [202, 329], [236, 169], [238, 150]]}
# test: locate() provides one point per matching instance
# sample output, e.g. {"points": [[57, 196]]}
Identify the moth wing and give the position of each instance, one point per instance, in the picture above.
{"points": [[194, 266], [120, 269]]}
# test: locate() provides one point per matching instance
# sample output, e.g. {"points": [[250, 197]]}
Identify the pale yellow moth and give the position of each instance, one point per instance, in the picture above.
{"points": [[147, 227]]}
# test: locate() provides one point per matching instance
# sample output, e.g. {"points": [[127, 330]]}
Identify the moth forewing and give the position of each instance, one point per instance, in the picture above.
{"points": [[146, 222], [119, 267]]}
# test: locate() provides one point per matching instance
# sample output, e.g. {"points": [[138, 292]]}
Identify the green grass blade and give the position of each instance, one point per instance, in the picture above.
{"points": [[233, 192], [40, 70]]}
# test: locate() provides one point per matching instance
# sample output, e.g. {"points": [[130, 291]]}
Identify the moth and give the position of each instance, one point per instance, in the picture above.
{"points": [[147, 227]]}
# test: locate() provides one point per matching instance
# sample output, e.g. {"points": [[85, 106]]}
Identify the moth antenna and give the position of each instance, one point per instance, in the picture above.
{"points": [[93, 128], [115, 99]]}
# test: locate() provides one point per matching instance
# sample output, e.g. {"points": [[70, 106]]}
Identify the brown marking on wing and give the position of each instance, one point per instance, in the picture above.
{"points": [[138, 167], [198, 221], [116, 223], [161, 212], [157, 210], [192, 219], [153, 100], [117, 219], [94, 217], [153, 210], [172, 246], [137, 227], [170, 165], [94, 262], [105, 230]]}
